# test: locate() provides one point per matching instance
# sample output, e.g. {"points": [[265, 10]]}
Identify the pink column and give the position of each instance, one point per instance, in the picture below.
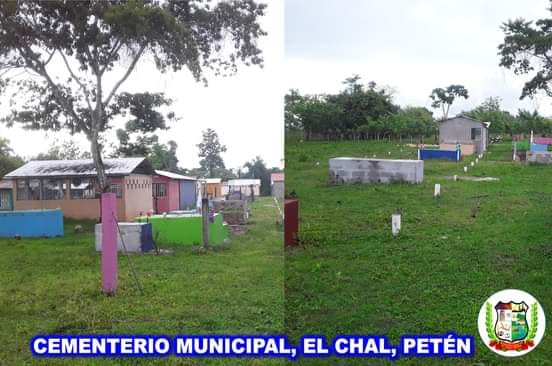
{"points": [[109, 243]]}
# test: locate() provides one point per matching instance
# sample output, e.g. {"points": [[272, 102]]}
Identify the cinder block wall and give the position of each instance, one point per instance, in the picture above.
{"points": [[355, 170], [540, 157]]}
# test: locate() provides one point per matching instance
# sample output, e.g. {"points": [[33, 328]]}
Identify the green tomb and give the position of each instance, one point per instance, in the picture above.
{"points": [[185, 228]]}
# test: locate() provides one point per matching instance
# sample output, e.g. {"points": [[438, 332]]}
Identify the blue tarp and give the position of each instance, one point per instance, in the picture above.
{"points": [[427, 154], [31, 223], [538, 147]]}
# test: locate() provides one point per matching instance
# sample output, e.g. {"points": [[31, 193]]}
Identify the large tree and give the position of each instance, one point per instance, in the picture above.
{"points": [[256, 169], [98, 44], [164, 157], [210, 149], [527, 49], [444, 97]]}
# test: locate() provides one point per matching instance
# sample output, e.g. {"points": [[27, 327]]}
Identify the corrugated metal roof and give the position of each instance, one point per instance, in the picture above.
{"points": [[466, 117], [172, 175], [85, 167], [211, 180], [244, 182]]}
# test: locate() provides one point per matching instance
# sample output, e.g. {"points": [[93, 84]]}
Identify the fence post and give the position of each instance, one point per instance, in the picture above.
{"points": [[205, 220]]}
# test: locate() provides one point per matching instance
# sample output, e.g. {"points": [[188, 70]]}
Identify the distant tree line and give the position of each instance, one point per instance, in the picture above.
{"points": [[358, 112], [503, 122], [367, 112]]}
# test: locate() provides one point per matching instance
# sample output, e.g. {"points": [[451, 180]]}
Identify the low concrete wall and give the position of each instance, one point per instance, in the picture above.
{"points": [[31, 223], [539, 157], [137, 237], [355, 170]]}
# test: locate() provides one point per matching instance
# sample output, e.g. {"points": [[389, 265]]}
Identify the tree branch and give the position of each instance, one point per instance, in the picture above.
{"points": [[128, 72], [36, 65], [82, 86], [50, 58], [113, 51]]}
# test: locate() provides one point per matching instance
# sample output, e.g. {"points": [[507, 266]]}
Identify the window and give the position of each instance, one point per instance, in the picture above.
{"points": [[475, 133], [28, 189], [83, 188], [117, 189], [53, 189], [159, 190]]}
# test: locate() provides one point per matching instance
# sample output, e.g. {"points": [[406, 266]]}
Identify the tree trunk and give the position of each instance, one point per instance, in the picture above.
{"points": [[98, 162]]}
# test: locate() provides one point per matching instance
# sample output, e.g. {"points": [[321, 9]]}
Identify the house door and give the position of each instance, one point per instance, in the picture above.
{"points": [[6, 200], [476, 139]]}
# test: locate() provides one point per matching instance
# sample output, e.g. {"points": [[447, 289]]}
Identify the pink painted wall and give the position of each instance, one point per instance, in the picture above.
{"points": [[171, 201]]}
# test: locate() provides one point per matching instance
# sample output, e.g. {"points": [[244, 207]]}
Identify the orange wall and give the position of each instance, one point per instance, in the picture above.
{"points": [[214, 189], [137, 193], [466, 149], [85, 209]]}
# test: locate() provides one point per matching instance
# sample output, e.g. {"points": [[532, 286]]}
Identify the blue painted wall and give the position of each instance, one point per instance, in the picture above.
{"points": [[188, 194], [538, 147], [427, 154], [31, 223]]}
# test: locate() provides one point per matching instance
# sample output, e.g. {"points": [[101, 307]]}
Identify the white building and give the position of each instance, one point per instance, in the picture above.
{"points": [[242, 185]]}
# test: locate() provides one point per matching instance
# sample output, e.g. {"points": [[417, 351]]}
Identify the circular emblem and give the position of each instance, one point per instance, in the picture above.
{"points": [[511, 323]]}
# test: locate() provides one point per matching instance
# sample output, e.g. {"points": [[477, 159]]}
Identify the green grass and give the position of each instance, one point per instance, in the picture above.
{"points": [[53, 286], [352, 276]]}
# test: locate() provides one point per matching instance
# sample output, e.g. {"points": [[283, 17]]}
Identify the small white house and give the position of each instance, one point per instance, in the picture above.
{"points": [[243, 186]]}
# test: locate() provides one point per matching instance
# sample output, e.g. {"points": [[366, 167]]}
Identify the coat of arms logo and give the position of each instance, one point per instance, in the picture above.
{"points": [[511, 322]]}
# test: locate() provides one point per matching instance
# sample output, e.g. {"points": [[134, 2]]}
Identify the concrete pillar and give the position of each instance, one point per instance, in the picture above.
{"points": [[109, 243], [395, 224], [205, 221], [437, 190]]}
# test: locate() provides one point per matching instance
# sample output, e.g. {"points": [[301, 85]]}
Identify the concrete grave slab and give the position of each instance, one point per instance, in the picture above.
{"points": [[345, 170]]}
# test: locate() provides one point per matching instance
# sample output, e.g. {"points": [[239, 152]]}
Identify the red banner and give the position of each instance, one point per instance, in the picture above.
{"points": [[507, 346]]}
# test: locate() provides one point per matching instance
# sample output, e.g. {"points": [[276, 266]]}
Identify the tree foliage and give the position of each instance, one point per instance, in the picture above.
{"points": [[257, 169], [8, 160], [91, 39], [444, 97], [527, 49], [357, 112], [341, 115], [504, 122], [210, 150], [65, 150], [163, 157], [490, 111]]}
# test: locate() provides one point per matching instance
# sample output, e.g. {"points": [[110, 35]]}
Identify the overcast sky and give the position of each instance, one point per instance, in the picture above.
{"points": [[246, 110], [412, 46]]}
